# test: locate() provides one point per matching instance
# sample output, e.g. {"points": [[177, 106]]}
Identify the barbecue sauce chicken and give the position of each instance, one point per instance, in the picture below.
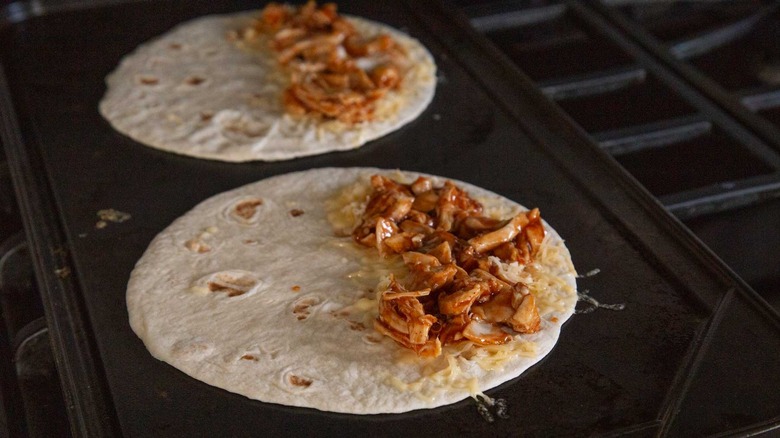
{"points": [[456, 289], [335, 72]]}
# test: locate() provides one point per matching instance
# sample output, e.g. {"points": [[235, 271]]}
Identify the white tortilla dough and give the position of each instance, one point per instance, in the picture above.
{"points": [[194, 92], [299, 331]]}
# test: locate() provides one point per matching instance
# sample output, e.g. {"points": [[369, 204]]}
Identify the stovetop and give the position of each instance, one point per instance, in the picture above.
{"points": [[682, 95]]}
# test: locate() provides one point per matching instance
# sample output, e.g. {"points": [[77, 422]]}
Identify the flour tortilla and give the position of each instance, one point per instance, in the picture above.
{"points": [[306, 312], [193, 92]]}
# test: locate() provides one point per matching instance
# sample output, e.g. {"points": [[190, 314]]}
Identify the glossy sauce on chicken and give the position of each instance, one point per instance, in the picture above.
{"points": [[458, 287], [335, 72]]}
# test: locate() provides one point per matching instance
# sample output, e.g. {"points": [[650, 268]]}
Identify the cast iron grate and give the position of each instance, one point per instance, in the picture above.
{"points": [[31, 402], [656, 85]]}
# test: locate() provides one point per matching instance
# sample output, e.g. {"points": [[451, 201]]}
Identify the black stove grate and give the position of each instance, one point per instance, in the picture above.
{"points": [[684, 95], [31, 402]]}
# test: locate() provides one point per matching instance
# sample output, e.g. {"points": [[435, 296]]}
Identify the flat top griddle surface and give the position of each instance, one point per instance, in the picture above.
{"points": [[673, 361]]}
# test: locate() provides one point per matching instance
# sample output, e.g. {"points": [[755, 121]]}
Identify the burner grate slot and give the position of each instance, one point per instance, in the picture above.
{"points": [[586, 85], [539, 46], [711, 159], [492, 16], [730, 51], [724, 196], [639, 103], [637, 138], [674, 22]]}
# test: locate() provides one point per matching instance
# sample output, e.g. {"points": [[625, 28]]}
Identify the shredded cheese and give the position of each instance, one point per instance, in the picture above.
{"points": [[345, 210], [548, 279]]}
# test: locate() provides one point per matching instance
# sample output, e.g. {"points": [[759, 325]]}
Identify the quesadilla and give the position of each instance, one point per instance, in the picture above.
{"points": [[269, 85], [297, 290]]}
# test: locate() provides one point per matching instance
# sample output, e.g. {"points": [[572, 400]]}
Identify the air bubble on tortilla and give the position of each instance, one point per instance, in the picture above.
{"points": [[239, 126], [303, 306], [244, 211], [192, 349], [231, 283], [296, 381], [270, 349], [199, 244]]}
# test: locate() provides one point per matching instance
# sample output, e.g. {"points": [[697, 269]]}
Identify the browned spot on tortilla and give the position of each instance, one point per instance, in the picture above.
{"points": [[195, 80], [296, 212], [300, 381], [301, 308], [231, 292], [197, 246], [247, 209], [249, 357], [357, 326], [250, 241], [175, 46], [372, 339], [206, 116], [554, 319], [296, 288], [149, 80]]}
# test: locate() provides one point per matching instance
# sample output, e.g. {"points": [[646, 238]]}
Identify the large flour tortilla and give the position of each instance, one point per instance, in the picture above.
{"points": [[192, 91], [306, 314]]}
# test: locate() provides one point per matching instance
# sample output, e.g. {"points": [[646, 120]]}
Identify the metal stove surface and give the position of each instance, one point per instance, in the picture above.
{"points": [[684, 95], [646, 371]]}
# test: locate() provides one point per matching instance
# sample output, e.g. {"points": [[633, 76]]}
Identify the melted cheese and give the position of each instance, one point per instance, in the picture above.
{"points": [[345, 210], [459, 364], [549, 274]]}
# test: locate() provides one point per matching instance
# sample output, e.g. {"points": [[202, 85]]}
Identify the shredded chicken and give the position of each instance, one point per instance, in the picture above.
{"points": [[323, 54], [454, 291]]}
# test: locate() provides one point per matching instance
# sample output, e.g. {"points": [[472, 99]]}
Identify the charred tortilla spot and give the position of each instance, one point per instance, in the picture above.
{"points": [[296, 288], [299, 381], [194, 80], [249, 357], [231, 292], [148, 80], [197, 246], [296, 212], [247, 209], [302, 307], [231, 283]]}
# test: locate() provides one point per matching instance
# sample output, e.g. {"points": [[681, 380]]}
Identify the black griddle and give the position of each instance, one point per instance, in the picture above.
{"points": [[695, 351]]}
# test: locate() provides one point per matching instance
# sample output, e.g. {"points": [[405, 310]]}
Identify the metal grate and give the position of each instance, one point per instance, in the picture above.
{"points": [[31, 402], [684, 95]]}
